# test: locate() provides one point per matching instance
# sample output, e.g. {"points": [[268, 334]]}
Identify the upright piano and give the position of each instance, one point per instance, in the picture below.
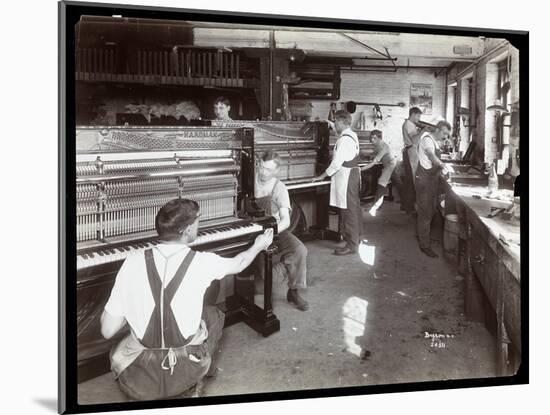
{"points": [[304, 148], [124, 175]]}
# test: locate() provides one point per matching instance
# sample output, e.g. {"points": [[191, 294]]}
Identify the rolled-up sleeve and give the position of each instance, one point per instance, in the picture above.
{"points": [[344, 151]]}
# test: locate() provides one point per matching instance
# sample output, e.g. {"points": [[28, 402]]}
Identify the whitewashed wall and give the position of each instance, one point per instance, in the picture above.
{"points": [[386, 88]]}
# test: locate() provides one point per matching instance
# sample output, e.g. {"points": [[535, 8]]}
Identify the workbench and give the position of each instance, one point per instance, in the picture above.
{"points": [[489, 259]]}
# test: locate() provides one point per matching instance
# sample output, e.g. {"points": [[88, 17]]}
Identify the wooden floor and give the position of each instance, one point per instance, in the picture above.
{"points": [[367, 325]]}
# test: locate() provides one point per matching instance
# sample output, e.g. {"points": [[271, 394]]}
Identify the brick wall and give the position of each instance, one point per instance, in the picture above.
{"points": [[385, 88]]}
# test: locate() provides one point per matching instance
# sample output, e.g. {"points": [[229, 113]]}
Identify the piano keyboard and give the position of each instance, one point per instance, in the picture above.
{"points": [[112, 254]]}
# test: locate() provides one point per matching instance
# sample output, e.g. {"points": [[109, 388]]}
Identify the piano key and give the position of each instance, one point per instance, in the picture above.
{"points": [[112, 254]]}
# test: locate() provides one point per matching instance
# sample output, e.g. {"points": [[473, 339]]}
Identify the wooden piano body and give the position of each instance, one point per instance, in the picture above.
{"points": [[305, 153], [124, 175]]}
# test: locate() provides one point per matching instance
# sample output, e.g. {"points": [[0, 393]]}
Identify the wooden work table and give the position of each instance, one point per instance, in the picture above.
{"points": [[489, 260]]}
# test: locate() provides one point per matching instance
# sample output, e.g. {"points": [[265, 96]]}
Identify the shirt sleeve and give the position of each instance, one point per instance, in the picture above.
{"points": [[214, 267], [409, 130], [426, 145], [345, 150], [115, 304], [281, 197]]}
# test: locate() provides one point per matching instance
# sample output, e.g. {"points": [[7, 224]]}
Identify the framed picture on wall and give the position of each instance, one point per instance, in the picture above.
{"points": [[206, 255], [422, 97]]}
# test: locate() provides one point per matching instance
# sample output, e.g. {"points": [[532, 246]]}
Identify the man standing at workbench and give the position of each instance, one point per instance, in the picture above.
{"points": [[411, 135], [345, 182], [427, 182]]}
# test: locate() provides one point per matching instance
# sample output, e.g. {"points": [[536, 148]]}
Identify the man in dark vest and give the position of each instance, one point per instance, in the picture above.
{"points": [[427, 178], [272, 196]]}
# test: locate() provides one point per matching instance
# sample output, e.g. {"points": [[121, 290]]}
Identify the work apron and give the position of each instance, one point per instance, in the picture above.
{"points": [[163, 363], [339, 182]]}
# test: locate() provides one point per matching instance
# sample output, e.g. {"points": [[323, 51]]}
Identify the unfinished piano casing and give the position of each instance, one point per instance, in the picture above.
{"points": [[123, 177], [304, 150]]}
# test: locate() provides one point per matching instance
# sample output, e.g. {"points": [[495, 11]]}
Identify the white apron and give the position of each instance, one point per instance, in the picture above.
{"points": [[339, 180]]}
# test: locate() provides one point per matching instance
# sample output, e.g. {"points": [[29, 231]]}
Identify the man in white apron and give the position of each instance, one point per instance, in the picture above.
{"points": [[160, 294], [345, 186], [384, 156]]}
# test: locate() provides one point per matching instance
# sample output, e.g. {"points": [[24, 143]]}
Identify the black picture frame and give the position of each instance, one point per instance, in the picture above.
{"points": [[69, 14]]}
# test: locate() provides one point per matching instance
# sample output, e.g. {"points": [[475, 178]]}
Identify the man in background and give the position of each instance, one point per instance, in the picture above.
{"points": [[411, 135], [272, 196], [430, 167], [384, 156], [345, 183], [222, 106]]}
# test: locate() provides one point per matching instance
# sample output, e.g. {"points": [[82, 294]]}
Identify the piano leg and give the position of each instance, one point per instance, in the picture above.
{"points": [[241, 307], [321, 228]]}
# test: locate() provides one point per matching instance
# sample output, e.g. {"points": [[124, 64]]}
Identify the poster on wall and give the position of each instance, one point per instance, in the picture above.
{"points": [[422, 97]]}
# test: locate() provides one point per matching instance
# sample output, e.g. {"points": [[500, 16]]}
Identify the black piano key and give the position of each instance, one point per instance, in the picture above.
{"points": [[101, 253]]}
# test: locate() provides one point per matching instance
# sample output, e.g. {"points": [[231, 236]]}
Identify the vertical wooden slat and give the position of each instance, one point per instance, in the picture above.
{"points": [[77, 63], [210, 65], [204, 70], [181, 60], [111, 63], [193, 70], [232, 69], [226, 69], [96, 64], [100, 64], [166, 66], [139, 64], [237, 66], [149, 64], [188, 65], [88, 60]]}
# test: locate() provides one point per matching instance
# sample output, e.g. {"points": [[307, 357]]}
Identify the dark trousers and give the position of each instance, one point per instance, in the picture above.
{"points": [[407, 192], [351, 218], [145, 379], [290, 262], [426, 204]]}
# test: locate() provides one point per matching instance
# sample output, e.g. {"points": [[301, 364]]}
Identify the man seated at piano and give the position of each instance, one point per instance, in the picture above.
{"points": [[222, 106], [159, 293], [272, 196]]}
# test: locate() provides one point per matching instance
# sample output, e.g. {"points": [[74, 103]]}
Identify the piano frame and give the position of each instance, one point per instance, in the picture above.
{"points": [[93, 284]]}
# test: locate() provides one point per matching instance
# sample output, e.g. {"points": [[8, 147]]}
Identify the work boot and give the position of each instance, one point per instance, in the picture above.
{"points": [[429, 252], [293, 297], [344, 251]]}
